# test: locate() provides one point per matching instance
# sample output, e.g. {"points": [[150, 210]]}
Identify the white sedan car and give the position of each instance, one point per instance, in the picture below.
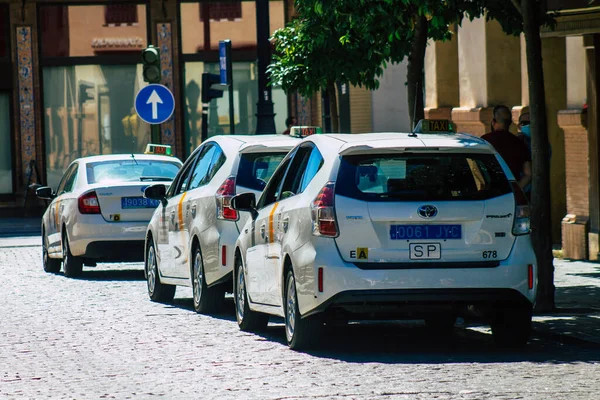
{"points": [[393, 225], [191, 236], [98, 213]]}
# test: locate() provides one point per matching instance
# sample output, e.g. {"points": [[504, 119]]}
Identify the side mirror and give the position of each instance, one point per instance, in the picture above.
{"points": [[245, 202], [45, 192], [156, 192]]}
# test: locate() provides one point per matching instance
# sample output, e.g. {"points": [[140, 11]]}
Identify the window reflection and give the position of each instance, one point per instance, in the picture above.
{"points": [[78, 31], [245, 97], [204, 24], [89, 110]]}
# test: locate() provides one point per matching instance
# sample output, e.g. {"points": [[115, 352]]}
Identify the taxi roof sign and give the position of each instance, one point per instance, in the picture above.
{"points": [[434, 126], [159, 149], [304, 131]]}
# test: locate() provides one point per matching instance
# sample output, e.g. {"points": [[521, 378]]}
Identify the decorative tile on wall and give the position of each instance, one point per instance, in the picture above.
{"points": [[26, 101], [165, 44]]}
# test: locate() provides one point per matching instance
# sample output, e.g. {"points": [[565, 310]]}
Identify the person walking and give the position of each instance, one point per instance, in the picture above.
{"points": [[512, 149], [289, 122]]}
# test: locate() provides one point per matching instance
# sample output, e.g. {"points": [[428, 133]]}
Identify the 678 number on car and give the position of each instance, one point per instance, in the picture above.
{"points": [[490, 254]]}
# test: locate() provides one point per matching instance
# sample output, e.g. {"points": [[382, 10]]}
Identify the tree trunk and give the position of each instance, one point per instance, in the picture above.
{"points": [[540, 148], [414, 73], [333, 108]]}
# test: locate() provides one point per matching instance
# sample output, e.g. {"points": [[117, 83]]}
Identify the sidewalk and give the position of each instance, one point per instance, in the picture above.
{"points": [[25, 226], [577, 300]]}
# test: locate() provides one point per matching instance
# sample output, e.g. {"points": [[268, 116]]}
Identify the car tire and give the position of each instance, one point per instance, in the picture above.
{"points": [[157, 291], [51, 265], [301, 333], [73, 266], [511, 327], [248, 320], [207, 300]]}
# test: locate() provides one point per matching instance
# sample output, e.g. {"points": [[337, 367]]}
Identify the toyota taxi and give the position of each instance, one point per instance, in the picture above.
{"points": [[98, 212], [191, 236], [426, 225]]}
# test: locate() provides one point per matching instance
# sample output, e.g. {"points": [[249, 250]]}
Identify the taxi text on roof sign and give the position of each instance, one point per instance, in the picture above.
{"points": [[159, 149], [304, 131], [434, 125]]}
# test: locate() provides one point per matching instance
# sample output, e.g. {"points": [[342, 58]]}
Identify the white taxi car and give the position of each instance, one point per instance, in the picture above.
{"points": [[191, 237], [99, 213], [419, 225]]}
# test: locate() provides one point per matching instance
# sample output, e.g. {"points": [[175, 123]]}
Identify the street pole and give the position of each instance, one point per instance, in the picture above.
{"points": [[204, 132], [155, 134], [265, 117], [230, 84]]}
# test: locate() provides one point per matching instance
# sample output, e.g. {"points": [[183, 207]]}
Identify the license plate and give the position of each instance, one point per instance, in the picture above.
{"points": [[138, 202], [425, 251], [403, 232]]}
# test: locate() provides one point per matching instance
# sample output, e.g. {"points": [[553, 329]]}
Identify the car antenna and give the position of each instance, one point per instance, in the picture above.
{"points": [[414, 127], [132, 149]]}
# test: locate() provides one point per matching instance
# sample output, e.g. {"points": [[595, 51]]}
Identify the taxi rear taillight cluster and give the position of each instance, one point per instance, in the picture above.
{"points": [[224, 195], [88, 203], [521, 222], [322, 211]]}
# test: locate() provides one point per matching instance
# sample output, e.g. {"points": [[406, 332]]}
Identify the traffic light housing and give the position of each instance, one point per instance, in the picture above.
{"points": [[208, 80], [151, 64], [86, 91]]}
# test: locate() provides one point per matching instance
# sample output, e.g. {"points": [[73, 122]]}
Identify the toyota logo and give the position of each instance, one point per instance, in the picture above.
{"points": [[427, 211]]}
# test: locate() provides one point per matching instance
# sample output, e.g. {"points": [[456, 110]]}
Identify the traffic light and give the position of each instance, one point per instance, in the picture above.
{"points": [[86, 91], [208, 80], [151, 64]]}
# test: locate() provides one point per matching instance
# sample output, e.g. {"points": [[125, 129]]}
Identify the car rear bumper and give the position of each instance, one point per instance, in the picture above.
{"points": [[502, 282], [418, 303], [106, 238]]}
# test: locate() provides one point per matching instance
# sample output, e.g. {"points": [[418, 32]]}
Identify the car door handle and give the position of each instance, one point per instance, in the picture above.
{"points": [[194, 211], [263, 228], [286, 223], [172, 217]]}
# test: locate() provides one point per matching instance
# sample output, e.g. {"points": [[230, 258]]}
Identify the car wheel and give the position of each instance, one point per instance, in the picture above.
{"points": [[511, 327], [156, 290], [51, 265], [301, 333], [206, 299], [248, 320], [72, 265]]}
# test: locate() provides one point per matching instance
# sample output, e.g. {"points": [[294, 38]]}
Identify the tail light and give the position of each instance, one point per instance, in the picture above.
{"points": [[521, 222], [322, 212], [88, 203], [224, 195], [530, 277]]}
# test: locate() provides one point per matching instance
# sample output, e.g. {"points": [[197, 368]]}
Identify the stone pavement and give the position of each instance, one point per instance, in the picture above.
{"points": [[577, 296]]}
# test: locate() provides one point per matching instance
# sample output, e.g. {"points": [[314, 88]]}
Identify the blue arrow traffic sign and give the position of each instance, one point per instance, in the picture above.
{"points": [[154, 104]]}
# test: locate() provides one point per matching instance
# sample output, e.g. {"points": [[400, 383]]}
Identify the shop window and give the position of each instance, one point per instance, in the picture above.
{"points": [[221, 10], [88, 30], [120, 14], [89, 110], [226, 20], [6, 183], [245, 97]]}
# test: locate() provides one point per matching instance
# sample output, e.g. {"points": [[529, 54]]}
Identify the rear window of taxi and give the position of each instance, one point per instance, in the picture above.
{"points": [[417, 177], [255, 169], [131, 171]]}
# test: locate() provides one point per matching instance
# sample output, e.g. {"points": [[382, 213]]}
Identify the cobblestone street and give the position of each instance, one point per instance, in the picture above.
{"points": [[101, 337]]}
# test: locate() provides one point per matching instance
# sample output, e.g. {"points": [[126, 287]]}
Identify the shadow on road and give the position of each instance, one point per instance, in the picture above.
{"points": [[111, 275], [226, 311], [577, 297], [402, 343]]}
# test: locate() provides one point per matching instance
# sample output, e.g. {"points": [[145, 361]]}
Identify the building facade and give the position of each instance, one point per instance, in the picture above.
{"points": [[482, 67]]}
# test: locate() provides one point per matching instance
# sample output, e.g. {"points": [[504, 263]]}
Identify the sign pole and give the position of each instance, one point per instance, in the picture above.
{"points": [[155, 134], [226, 74]]}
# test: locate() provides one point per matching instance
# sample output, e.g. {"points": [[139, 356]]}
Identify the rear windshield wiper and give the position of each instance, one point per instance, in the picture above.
{"points": [[155, 178]]}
